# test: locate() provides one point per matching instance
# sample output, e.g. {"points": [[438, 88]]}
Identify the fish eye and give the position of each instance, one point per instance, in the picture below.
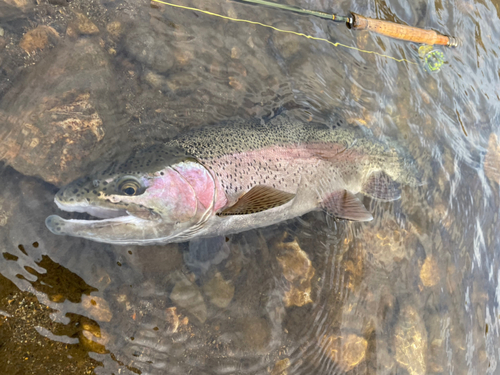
{"points": [[130, 186]]}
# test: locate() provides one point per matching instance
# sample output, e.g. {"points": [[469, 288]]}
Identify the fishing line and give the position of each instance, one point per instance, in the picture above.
{"points": [[335, 44]]}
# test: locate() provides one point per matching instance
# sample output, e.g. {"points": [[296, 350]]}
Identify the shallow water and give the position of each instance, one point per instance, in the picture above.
{"points": [[415, 291]]}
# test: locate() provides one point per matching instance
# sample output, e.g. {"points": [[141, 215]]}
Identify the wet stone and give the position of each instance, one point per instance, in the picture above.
{"points": [[389, 243], [437, 347], [52, 120], [187, 296], [183, 57], [346, 351], [492, 159], [236, 84], [69, 123], [219, 291], [94, 338], [39, 38], [410, 341], [18, 3], [97, 308], [172, 320], [281, 367], [235, 53], [256, 333], [115, 29], [84, 26], [150, 50], [430, 272], [298, 271], [154, 79]]}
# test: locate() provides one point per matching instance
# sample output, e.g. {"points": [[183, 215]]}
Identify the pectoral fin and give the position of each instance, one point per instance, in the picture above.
{"points": [[380, 186], [344, 205], [259, 198]]}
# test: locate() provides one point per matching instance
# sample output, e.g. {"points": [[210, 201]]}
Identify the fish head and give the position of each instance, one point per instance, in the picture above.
{"points": [[157, 195]]}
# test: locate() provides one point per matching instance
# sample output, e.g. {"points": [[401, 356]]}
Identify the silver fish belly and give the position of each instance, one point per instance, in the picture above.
{"points": [[231, 178]]}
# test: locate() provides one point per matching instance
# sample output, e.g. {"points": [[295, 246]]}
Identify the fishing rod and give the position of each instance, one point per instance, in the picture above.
{"points": [[386, 28]]}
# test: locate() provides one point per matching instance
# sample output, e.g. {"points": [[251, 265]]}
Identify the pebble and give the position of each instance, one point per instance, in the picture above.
{"points": [[235, 53], [39, 38], [410, 341], [429, 272], [187, 295], [219, 291], [93, 341], [347, 351], [236, 84], [154, 79], [389, 243], [97, 308], [298, 271], [84, 25], [183, 57], [18, 3], [148, 49], [115, 28], [492, 159], [172, 319], [281, 367]]}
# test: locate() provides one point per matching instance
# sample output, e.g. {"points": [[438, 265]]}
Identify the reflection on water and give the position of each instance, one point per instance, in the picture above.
{"points": [[416, 291]]}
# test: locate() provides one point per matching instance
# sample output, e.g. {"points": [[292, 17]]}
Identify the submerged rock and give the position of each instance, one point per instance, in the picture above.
{"points": [[219, 291], [97, 308], [84, 26], [347, 351], [281, 367], [93, 338], [430, 272], [187, 296], [389, 243], [53, 120], [149, 49], [492, 159], [410, 341], [298, 271], [39, 38]]}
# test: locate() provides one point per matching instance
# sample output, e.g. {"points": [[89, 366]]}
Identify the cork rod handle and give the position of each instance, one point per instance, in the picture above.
{"points": [[403, 32]]}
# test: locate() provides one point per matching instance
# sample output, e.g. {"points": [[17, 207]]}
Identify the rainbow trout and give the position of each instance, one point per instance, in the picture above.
{"points": [[231, 178]]}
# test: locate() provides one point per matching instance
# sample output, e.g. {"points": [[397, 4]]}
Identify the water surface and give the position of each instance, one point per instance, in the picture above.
{"points": [[415, 291]]}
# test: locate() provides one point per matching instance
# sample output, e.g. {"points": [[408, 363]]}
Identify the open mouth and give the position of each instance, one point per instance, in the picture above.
{"points": [[98, 212], [96, 216]]}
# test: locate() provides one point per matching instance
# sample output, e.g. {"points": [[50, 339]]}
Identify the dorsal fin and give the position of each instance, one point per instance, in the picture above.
{"points": [[259, 198], [344, 205], [380, 186]]}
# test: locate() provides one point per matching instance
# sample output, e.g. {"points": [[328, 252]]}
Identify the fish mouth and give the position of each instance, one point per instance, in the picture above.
{"points": [[96, 211], [103, 217], [116, 226]]}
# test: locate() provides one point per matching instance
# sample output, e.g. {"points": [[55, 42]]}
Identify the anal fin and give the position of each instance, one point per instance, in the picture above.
{"points": [[380, 186], [257, 199], [344, 205]]}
